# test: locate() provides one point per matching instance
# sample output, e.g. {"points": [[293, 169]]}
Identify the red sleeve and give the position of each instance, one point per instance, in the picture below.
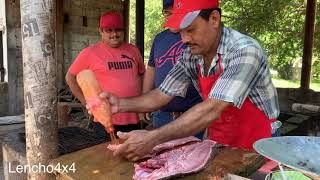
{"points": [[80, 63], [141, 66]]}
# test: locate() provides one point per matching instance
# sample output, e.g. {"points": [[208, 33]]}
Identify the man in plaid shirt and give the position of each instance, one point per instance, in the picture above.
{"points": [[227, 68]]}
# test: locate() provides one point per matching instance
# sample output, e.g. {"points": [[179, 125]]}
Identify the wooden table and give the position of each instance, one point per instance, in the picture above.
{"points": [[98, 163]]}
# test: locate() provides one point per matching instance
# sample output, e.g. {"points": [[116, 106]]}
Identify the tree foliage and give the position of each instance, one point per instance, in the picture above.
{"points": [[277, 24], [153, 22]]}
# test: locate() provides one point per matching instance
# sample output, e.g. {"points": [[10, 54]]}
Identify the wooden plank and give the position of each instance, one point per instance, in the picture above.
{"points": [[230, 161], [59, 44], [7, 120], [71, 105], [98, 163], [65, 97], [63, 115], [305, 108]]}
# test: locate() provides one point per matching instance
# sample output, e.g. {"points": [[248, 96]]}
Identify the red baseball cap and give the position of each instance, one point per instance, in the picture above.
{"points": [[111, 20], [185, 11]]}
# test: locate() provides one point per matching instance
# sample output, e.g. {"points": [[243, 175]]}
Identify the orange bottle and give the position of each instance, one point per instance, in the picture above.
{"points": [[100, 109]]}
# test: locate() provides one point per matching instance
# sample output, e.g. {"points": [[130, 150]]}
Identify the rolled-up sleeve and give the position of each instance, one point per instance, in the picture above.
{"points": [[239, 76], [177, 81]]}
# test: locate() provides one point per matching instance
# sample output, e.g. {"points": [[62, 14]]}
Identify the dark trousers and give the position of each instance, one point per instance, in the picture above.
{"points": [[101, 132], [161, 118]]}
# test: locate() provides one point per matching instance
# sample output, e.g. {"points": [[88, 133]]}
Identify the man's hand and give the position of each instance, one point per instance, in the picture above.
{"points": [[111, 99], [145, 117], [136, 145]]}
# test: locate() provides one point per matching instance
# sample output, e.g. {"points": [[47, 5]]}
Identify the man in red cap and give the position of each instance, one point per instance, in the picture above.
{"points": [[230, 72], [118, 67]]}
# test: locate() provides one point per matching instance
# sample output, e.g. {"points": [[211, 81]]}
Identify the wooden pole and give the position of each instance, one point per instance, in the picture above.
{"points": [[39, 70], [2, 71], [308, 44], [59, 45], [126, 10], [140, 25]]}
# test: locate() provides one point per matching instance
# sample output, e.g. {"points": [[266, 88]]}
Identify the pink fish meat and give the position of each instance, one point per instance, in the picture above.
{"points": [[187, 159], [174, 158]]}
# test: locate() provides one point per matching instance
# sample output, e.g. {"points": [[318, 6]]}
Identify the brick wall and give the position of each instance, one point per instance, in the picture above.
{"points": [[78, 36]]}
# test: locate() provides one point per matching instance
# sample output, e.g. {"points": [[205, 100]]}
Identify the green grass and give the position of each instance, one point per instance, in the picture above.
{"points": [[281, 83]]}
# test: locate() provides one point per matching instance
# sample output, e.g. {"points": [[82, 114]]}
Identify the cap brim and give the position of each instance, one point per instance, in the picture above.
{"points": [[181, 21]]}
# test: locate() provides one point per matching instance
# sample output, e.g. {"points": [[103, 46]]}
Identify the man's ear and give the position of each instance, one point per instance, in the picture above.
{"points": [[215, 18]]}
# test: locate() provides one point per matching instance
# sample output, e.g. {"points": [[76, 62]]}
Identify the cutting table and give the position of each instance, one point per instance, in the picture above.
{"points": [[98, 163]]}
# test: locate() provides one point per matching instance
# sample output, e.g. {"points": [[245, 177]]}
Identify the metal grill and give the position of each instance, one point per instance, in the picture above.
{"points": [[73, 139]]}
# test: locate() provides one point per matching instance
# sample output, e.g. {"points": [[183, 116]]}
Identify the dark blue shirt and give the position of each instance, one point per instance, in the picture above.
{"points": [[165, 52]]}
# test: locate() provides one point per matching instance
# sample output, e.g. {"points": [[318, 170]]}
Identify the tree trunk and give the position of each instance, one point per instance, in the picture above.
{"points": [[39, 70]]}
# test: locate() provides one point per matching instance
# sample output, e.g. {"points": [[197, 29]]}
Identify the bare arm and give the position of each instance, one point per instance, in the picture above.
{"points": [[148, 80], [193, 121], [74, 87], [148, 102], [140, 81], [148, 85], [199, 117]]}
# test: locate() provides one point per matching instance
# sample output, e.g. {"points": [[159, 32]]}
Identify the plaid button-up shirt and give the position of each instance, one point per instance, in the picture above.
{"points": [[245, 74]]}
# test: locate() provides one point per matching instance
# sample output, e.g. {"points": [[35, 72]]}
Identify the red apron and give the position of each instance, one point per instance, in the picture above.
{"points": [[235, 127]]}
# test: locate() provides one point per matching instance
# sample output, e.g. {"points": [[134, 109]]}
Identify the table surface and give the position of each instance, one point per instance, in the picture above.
{"points": [[98, 163]]}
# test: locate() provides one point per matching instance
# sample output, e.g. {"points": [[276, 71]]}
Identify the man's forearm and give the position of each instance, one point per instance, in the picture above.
{"points": [[75, 89], [148, 80], [191, 122], [140, 81], [148, 102]]}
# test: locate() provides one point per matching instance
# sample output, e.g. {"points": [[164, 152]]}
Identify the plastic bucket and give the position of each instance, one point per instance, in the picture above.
{"points": [[290, 175]]}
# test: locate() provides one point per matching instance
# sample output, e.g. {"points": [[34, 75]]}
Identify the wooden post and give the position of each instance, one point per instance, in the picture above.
{"points": [[308, 44], [60, 45], [2, 71], [140, 25], [126, 10], [39, 70]]}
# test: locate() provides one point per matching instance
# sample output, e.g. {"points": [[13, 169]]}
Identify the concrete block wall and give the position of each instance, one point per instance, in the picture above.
{"points": [[288, 96], [76, 35], [3, 98], [15, 69]]}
